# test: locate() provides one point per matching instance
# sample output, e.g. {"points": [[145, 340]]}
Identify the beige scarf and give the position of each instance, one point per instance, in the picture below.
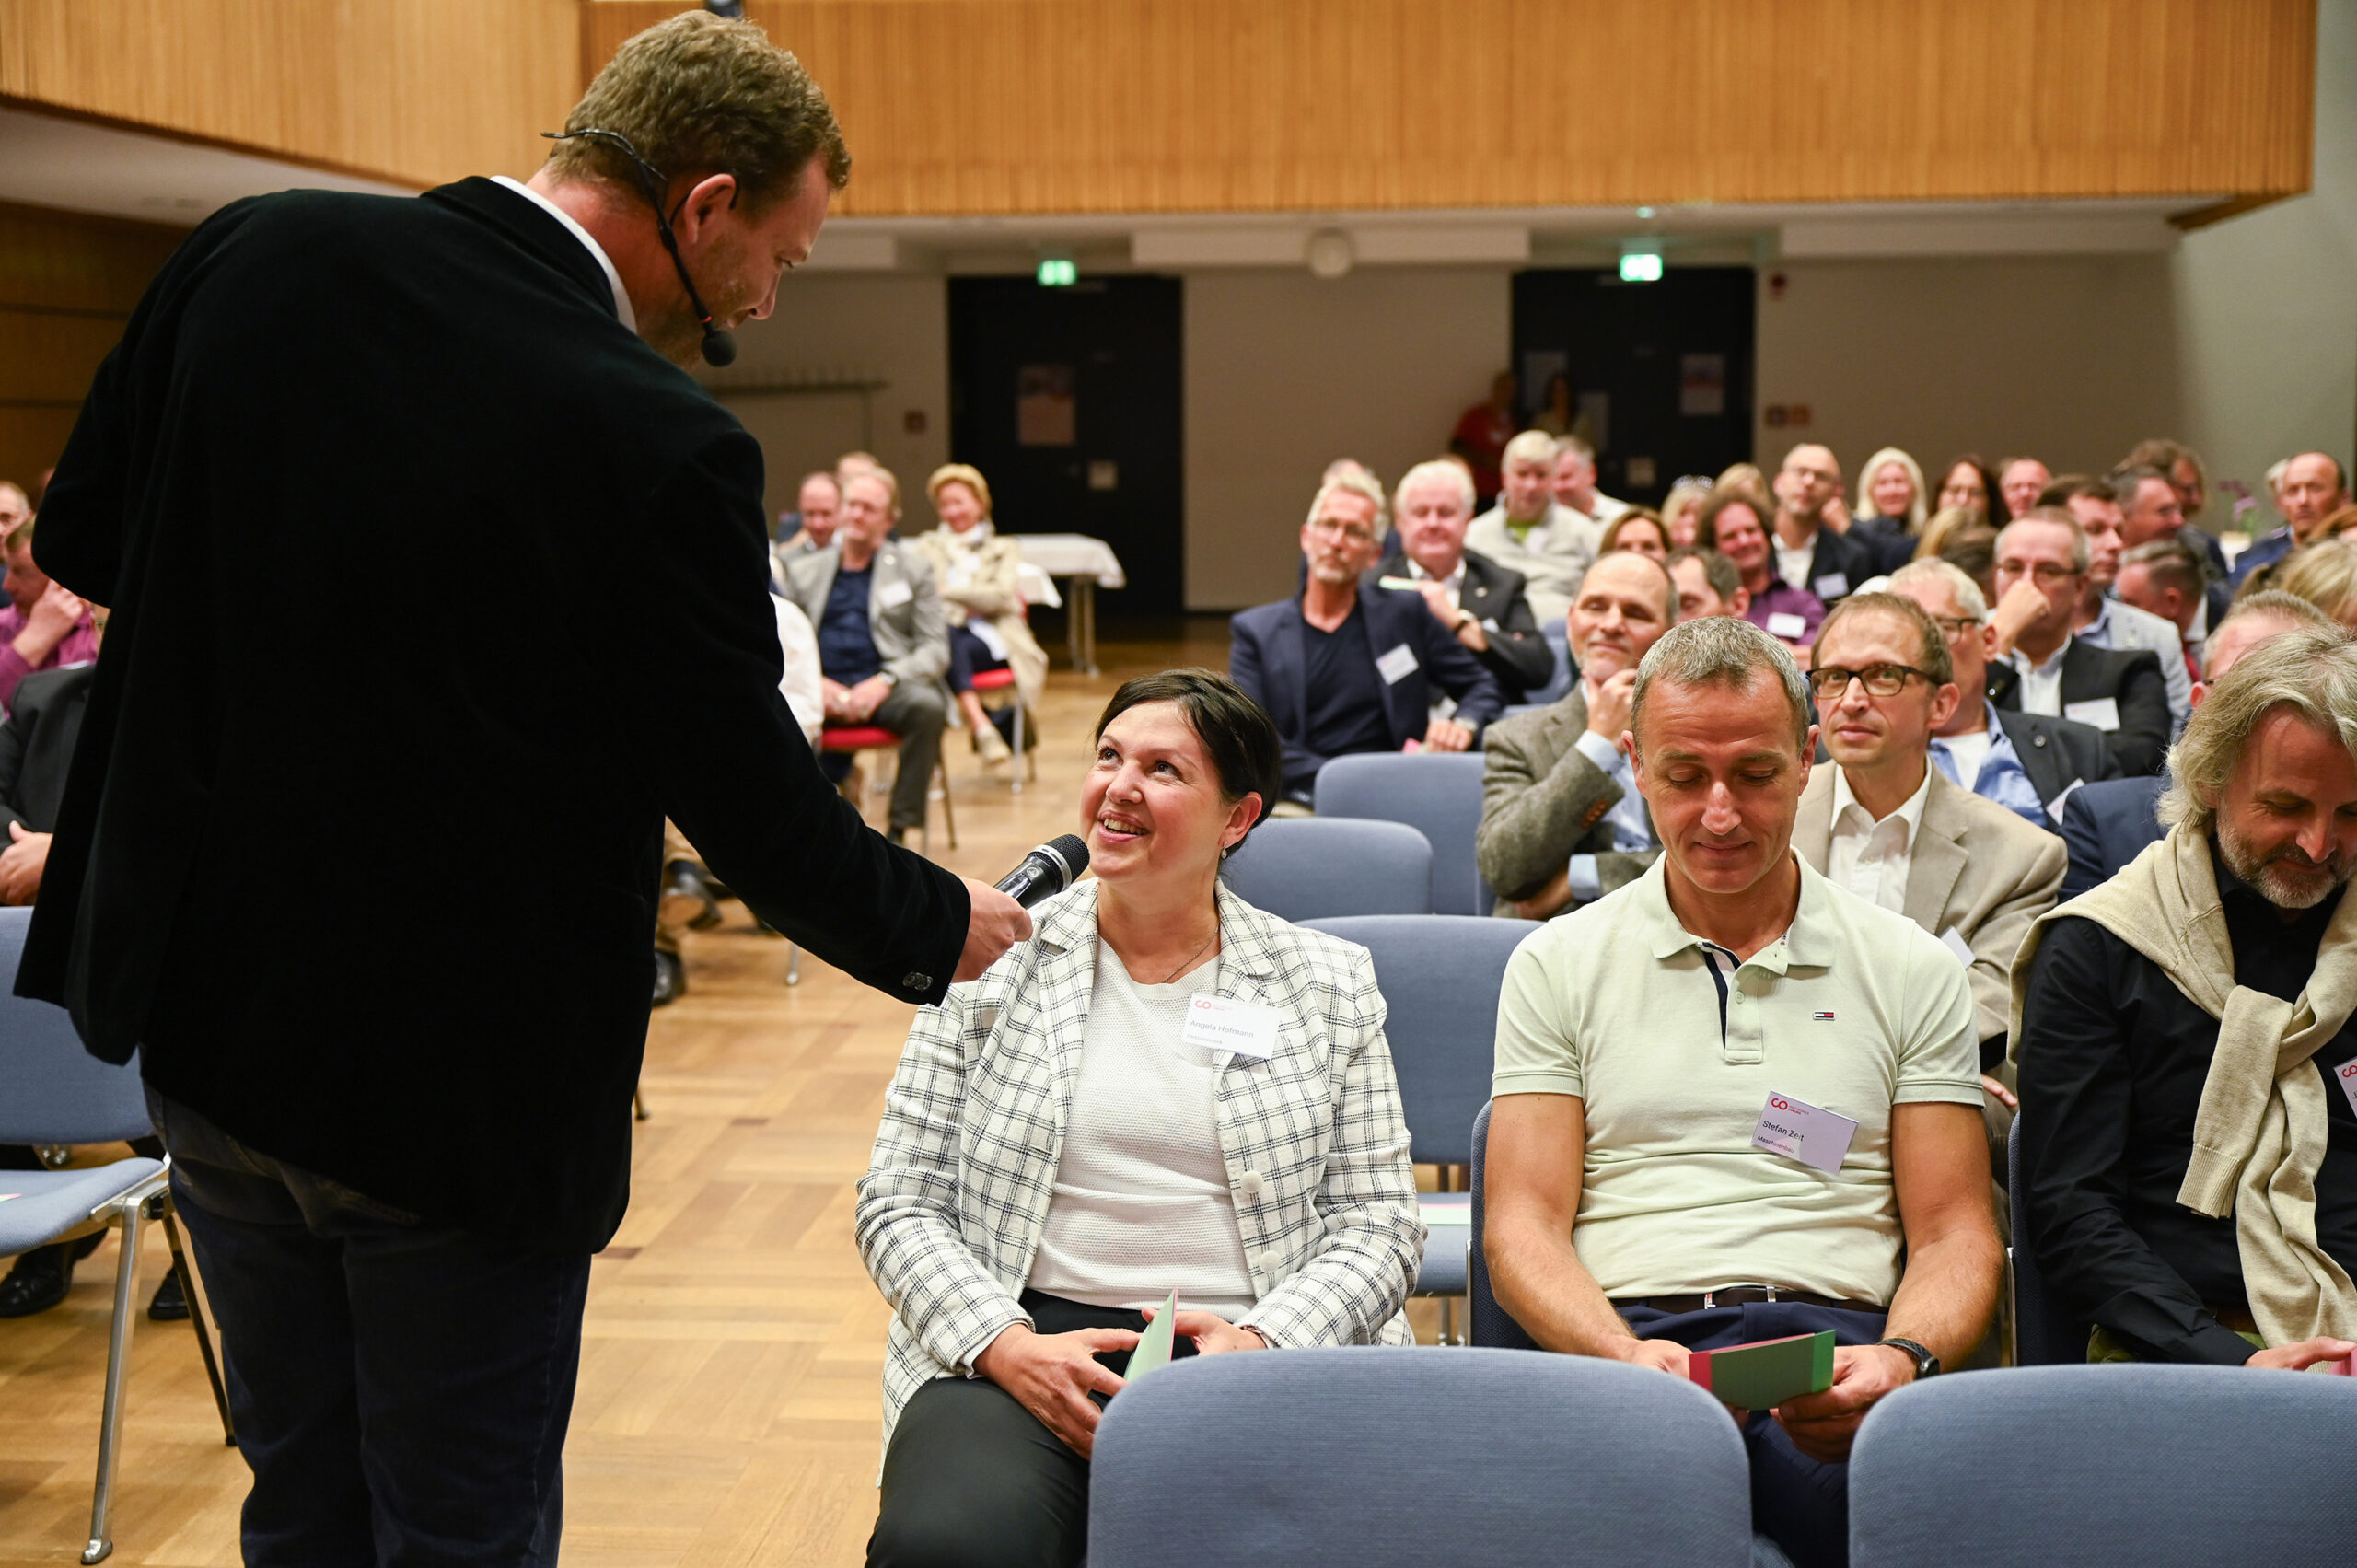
{"points": [[2260, 1135]]}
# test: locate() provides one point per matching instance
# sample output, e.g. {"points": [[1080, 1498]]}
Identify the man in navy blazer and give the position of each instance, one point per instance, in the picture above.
{"points": [[1344, 668]]}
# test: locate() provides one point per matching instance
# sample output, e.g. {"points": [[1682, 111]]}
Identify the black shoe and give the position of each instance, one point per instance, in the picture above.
{"points": [[170, 1305], [43, 1276], [898, 835], [670, 978], [687, 897]]}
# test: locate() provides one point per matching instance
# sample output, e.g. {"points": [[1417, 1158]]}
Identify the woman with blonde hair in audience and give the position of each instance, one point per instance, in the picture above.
{"points": [[1638, 529], [1745, 476], [1970, 482], [2325, 575], [1062, 1146], [977, 570], [1891, 485], [1687, 493]]}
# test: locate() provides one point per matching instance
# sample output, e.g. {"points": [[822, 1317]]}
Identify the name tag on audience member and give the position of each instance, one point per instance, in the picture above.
{"points": [[1786, 625], [1954, 940], [1240, 1028], [2101, 712], [2346, 1077], [2054, 806], [1396, 665], [894, 593], [1833, 584], [1799, 1130]]}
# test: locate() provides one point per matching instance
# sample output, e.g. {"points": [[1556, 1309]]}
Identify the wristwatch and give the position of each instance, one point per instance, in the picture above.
{"points": [[1926, 1364]]}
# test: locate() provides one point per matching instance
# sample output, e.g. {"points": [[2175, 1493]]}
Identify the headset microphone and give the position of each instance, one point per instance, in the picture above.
{"points": [[1046, 871], [719, 344]]}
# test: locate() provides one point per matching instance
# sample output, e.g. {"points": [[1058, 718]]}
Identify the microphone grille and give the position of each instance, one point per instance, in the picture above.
{"points": [[1072, 852]]}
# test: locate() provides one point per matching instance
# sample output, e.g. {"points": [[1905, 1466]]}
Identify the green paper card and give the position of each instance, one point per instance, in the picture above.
{"points": [[1765, 1373], [1153, 1351]]}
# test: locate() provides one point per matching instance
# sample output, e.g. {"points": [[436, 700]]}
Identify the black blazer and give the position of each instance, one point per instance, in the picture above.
{"points": [[300, 749], [1835, 555], [2057, 753], [1264, 660], [1518, 657], [2104, 826], [2129, 677], [37, 745]]}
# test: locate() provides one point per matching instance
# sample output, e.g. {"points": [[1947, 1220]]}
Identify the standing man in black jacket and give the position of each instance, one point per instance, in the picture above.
{"points": [[401, 1124]]}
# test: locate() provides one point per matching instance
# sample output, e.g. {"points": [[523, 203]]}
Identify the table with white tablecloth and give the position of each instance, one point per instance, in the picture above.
{"points": [[1090, 564]]}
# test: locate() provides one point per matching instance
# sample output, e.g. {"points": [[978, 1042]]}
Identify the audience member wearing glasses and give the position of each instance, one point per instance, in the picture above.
{"points": [[2040, 667], [1647, 1041], [2099, 618], [1060, 1149]]}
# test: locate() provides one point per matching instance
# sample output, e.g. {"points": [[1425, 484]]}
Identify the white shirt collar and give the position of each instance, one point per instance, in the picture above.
{"points": [[623, 310], [2052, 665], [1911, 810], [1416, 572]]}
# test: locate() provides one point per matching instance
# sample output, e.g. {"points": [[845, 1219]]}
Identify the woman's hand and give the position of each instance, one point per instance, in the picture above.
{"points": [[1213, 1334], [1052, 1375]]}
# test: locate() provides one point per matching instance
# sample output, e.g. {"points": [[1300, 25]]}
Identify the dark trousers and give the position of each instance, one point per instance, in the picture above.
{"points": [[400, 1390], [1800, 1504], [968, 654], [972, 1480]]}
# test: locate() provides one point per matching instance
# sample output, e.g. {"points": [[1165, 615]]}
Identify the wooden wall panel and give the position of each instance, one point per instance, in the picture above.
{"points": [[1104, 106], [414, 91], [67, 285]]}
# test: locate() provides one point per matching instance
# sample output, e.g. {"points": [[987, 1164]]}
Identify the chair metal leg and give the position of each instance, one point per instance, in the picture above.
{"points": [[793, 963], [196, 1310], [1014, 774], [949, 815], [126, 1287]]}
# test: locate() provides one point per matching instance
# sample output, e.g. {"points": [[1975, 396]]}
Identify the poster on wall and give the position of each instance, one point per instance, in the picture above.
{"points": [[1044, 406], [1702, 385]]}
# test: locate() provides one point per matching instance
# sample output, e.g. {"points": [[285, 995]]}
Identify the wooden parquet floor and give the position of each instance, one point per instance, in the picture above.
{"points": [[728, 1405]]}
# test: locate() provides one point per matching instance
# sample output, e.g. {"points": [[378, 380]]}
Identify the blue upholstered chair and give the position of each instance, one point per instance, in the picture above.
{"points": [[1314, 867], [1311, 1458], [1436, 793], [1558, 640]]}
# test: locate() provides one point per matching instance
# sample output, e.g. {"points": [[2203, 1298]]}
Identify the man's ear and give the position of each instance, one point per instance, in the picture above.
{"points": [[2200, 689], [704, 202]]}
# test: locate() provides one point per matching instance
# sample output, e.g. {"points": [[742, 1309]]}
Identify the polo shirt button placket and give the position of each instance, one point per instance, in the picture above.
{"points": [[1743, 1042]]}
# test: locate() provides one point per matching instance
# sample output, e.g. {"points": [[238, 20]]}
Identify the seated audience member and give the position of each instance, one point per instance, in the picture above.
{"points": [[2338, 523], [2040, 667], [2025, 762], [1556, 416], [1809, 555], [2309, 488], [816, 506], [1896, 830], [1575, 482], [1669, 1241], [1562, 822], [2020, 481], [1970, 485], [1734, 521], [977, 570], [1530, 532], [1638, 529], [2167, 577], [883, 637], [1967, 541], [1708, 584], [2324, 574], [1678, 508], [1482, 604], [43, 626], [2104, 826], [1892, 518], [1481, 433], [2190, 479], [1057, 1152], [2191, 1174], [2158, 498], [2099, 619], [1344, 668]]}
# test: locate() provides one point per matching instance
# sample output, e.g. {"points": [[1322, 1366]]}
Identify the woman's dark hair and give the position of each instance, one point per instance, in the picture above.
{"points": [[1237, 735], [1989, 486]]}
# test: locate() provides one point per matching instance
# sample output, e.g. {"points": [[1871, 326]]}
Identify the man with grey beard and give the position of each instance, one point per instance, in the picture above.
{"points": [[2188, 1070]]}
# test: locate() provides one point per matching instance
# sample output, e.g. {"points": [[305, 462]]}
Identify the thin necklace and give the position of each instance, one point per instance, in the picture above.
{"points": [[1198, 953]]}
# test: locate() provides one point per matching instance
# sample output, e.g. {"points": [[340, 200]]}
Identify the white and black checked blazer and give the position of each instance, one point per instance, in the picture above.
{"points": [[952, 1205]]}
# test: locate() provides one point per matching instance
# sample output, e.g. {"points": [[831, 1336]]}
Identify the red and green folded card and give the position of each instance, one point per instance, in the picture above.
{"points": [[1766, 1373]]}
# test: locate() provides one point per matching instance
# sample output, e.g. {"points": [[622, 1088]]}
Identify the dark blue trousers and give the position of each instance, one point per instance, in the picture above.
{"points": [[400, 1390], [1801, 1504]]}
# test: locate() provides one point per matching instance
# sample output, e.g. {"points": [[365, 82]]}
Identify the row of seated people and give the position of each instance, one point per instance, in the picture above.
{"points": [[1854, 935]]}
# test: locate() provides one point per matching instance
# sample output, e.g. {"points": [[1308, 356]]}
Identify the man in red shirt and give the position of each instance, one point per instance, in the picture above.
{"points": [[1483, 432]]}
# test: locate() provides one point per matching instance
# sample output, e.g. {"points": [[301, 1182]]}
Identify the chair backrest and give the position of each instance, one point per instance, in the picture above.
{"points": [[1436, 793], [1440, 975], [2163, 1467], [51, 1090], [1316, 867], [1559, 642], [1308, 1459], [1491, 1324], [2045, 1333]]}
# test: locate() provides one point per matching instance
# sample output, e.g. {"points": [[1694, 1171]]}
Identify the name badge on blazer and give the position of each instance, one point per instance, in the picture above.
{"points": [[894, 593], [2101, 712], [1833, 584], [1786, 625], [1244, 1030], [1396, 665]]}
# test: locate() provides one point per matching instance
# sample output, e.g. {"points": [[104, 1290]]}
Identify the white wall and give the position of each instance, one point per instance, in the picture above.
{"points": [[1285, 372]]}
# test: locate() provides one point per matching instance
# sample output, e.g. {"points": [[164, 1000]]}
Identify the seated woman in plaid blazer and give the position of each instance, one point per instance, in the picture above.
{"points": [[1059, 1148]]}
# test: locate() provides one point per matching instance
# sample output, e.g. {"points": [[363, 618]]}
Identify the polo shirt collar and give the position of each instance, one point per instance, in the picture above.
{"points": [[1809, 943]]}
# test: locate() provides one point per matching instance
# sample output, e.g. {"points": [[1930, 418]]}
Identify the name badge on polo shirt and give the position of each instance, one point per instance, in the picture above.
{"points": [[1799, 1130], [2101, 712], [894, 593], [1243, 1029], [1396, 665], [2346, 1077], [1833, 584], [1786, 625]]}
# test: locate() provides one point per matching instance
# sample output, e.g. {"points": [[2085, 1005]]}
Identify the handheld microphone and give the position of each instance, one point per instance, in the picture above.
{"points": [[719, 346], [1046, 871]]}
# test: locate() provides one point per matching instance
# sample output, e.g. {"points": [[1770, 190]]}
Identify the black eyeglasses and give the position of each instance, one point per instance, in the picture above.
{"points": [[1830, 680]]}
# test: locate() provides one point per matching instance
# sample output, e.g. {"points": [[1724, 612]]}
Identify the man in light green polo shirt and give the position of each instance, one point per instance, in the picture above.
{"points": [[1731, 1097]]}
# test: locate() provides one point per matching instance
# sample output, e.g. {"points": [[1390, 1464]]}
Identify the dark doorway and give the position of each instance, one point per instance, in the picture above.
{"points": [[1661, 373], [1068, 400]]}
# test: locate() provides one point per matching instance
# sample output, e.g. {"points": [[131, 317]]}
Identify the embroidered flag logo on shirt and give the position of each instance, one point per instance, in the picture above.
{"points": [[1822, 1018]]}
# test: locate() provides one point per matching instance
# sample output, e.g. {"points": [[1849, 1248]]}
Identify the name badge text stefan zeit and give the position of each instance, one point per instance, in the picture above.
{"points": [[1799, 1130]]}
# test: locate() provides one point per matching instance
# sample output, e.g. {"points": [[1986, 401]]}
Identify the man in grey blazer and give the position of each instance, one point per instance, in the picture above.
{"points": [[1562, 822], [883, 635]]}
